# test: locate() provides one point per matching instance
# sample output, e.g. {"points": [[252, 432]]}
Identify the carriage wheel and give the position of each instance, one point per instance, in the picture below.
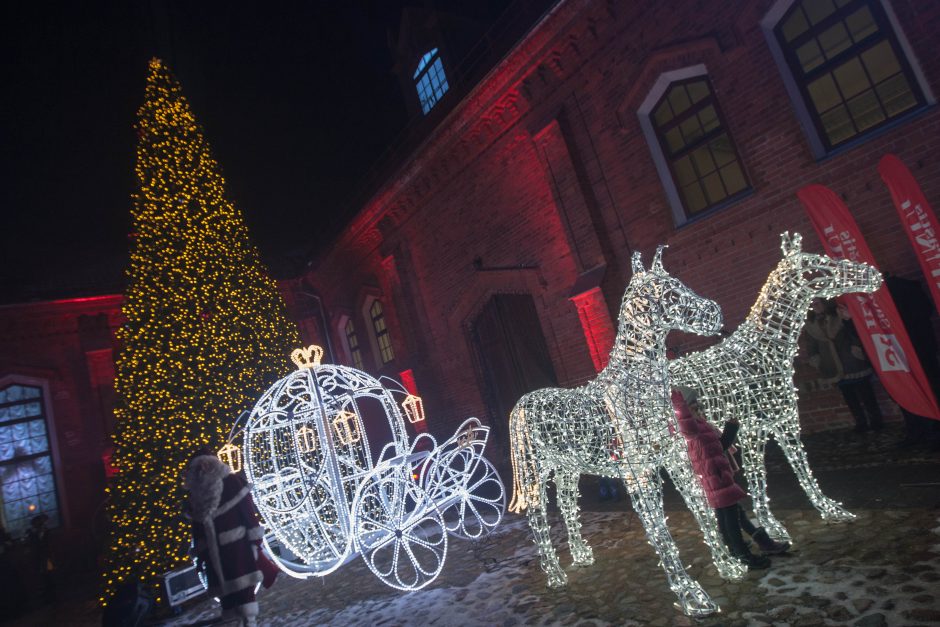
{"points": [[481, 497], [399, 532]]}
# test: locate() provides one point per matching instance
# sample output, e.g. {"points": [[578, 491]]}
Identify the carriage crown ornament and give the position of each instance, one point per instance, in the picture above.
{"points": [[325, 495]]}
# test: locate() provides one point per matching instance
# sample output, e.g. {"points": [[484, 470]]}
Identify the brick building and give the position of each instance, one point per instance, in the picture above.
{"points": [[491, 256], [491, 259], [56, 416]]}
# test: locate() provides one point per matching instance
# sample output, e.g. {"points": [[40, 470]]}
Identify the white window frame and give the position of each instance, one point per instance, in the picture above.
{"points": [[816, 143], [48, 415], [645, 114], [344, 340]]}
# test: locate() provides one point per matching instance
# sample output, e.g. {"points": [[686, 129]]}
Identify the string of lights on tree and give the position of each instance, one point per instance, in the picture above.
{"points": [[206, 330], [749, 375], [325, 497], [621, 425]]}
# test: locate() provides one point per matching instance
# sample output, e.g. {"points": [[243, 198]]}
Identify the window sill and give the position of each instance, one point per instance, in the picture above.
{"points": [[878, 132], [704, 215]]}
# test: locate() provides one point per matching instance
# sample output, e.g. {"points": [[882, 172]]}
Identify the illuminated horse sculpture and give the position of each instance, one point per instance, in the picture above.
{"points": [[620, 425], [749, 375]]}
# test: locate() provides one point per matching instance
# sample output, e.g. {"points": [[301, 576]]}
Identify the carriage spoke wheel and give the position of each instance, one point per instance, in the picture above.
{"points": [[401, 535], [480, 496]]}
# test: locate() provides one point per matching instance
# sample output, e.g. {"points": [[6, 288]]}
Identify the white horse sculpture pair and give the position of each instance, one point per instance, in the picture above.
{"points": [[622, 424]]}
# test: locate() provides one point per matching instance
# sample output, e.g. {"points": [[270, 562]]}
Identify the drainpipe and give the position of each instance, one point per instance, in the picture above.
{"points": [[324, 325]]}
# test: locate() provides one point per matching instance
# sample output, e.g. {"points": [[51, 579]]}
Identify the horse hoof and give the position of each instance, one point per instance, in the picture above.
{"points": [[584, 557], [557, 581], [779, 533], [731, 569], [838, 515], [697, 604], [701, 611]]}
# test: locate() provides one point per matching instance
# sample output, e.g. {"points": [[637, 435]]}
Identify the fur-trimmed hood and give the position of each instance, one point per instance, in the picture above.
{"points": [[203, 480]]}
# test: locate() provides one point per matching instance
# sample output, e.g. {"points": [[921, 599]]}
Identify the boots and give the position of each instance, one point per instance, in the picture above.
{"points": [[768, 545]]}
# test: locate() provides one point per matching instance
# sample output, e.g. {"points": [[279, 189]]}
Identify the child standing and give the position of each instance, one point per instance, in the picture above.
{"points": [[707, 452]]}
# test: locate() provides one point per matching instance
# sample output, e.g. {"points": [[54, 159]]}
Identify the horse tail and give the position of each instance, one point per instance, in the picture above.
{"points": [[523, 461]]}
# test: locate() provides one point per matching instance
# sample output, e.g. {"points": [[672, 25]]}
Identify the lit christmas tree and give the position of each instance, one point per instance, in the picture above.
{"points": [[206, 333]]}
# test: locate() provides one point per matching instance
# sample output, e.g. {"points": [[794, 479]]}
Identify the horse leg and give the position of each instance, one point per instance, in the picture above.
{"points": [[788, 437], [538, 522], [648, 504], [752, 446], [680, 469], [568, 503]]}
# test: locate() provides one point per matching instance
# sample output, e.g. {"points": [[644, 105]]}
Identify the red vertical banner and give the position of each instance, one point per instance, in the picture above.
{"points": [[918, 218], [876, 318]]}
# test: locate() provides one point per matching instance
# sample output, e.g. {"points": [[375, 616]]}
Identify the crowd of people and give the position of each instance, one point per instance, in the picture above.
{"points": [[835, 350], [27, 568]]}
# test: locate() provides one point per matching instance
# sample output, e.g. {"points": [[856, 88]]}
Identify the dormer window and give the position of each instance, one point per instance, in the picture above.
{"points": [[430, 80]]}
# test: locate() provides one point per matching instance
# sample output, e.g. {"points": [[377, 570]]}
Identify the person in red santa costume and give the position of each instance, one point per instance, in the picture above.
{"points": [[226, 535]]}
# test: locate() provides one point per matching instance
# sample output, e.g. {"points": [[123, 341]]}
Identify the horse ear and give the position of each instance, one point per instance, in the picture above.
{"points": [[790, 244], [657, 265], [637, 263]]}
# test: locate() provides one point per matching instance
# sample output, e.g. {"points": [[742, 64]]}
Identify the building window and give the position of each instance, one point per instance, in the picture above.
{"points": [[381, 332], [352, 341], [848, 66], [25, 460], [702, 160], [430, 80]]}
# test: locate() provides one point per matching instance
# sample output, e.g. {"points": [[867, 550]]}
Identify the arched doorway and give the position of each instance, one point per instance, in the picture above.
{"points": [[513, 354]]}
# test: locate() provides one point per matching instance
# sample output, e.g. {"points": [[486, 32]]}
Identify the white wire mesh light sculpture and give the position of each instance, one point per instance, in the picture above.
{"points": [[620, 425], [325, 497], [749, 375]]}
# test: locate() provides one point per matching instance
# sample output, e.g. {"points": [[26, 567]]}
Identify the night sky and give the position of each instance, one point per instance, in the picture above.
{"points": [[297, 100]]}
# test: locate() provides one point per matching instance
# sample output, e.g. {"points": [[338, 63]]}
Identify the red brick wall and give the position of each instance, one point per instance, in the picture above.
{"points": [[66, 347], [543, 172]]}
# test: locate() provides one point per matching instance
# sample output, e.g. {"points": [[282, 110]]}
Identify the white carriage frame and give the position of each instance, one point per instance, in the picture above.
{"points": [[396, 511]]}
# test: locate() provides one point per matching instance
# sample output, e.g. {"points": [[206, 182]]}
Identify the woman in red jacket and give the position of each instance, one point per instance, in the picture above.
{"points": [[707, 452]]}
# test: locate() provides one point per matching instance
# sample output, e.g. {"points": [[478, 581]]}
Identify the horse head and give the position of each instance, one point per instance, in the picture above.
{"points": [[821, 276], [668, 302]]}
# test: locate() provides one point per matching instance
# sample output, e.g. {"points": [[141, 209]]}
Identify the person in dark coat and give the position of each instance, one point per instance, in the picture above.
{"points": [[916, 310], [226, 535], [707, 452], [836, 351], [13, 599], [40, 546]]}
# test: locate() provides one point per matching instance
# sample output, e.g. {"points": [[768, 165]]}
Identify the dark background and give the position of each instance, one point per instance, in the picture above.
{"points": [[297, 100]]}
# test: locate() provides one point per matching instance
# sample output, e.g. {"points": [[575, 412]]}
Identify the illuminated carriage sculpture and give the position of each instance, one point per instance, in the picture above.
{"points": [[325, 498]]}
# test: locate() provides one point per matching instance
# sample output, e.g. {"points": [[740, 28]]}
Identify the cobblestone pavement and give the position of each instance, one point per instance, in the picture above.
{"points": [[881, 569]]}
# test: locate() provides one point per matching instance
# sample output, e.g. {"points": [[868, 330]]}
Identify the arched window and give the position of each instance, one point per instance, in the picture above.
{"points": [[846, 66], [25, 459], [430, 80], [382, 337], [691, 145], [352, 342]]}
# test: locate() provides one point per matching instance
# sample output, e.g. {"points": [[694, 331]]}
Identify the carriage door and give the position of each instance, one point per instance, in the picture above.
{"points": [[513, 354]]}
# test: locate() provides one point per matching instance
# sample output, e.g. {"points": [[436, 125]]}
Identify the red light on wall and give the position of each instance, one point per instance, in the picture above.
{"points": [[597, 326], [408, 380]]}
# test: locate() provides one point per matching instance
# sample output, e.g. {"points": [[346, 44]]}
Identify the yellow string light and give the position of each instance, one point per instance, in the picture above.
{"points": [[205, 331]]}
